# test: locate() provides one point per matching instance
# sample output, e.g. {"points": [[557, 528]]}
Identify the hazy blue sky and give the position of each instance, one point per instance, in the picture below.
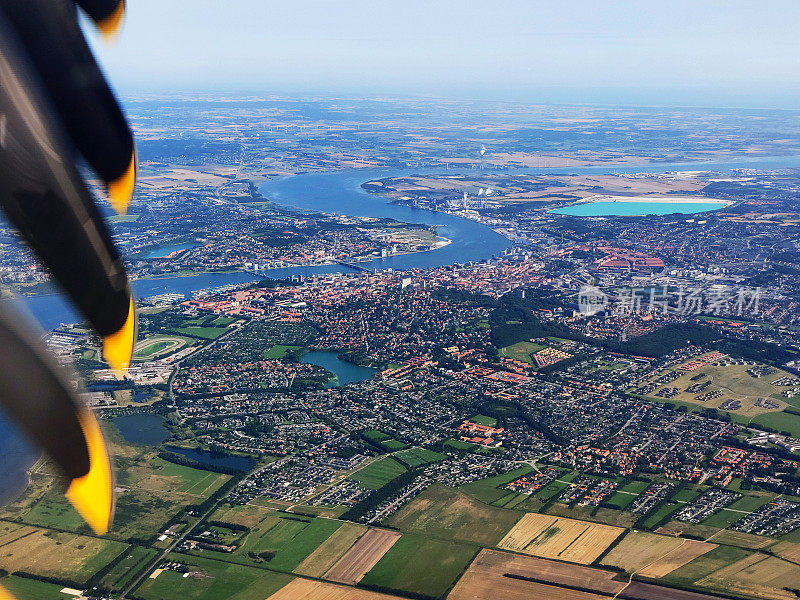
{"points": [[699, 52]]}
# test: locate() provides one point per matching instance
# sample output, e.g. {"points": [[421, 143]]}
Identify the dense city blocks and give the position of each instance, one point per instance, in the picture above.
{"points": [[438, 350]]}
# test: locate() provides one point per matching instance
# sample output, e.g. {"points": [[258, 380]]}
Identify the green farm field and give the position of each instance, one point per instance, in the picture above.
{"points": [[213, 580], [279, 542], [378, 473], [627, 494], [420, 565], [521, 351], [33, 589], [446, 513]]}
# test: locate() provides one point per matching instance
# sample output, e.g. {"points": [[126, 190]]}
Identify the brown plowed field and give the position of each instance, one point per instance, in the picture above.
{"points": [[363, 555], [485, 580]]}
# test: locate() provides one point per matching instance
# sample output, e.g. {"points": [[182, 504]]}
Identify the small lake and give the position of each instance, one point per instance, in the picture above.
{"points": [[636, 209], [214, 459], [345, 372], [142, 428], [165, 251]]}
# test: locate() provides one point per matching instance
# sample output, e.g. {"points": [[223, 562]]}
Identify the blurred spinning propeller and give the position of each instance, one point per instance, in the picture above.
{"points": [[55, 108]]}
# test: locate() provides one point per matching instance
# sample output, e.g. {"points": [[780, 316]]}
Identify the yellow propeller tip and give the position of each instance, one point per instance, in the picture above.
{"points": [[5, 594], [93, 495], [120, 190], [112, 24], [118, 347]]}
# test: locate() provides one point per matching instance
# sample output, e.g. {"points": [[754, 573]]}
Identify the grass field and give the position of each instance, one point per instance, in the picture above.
{"points": [[374, 435], [554, 488], [196, 482], [65, 556], [416, 457], [53, 510], [653, 555], [125, 570], [278, 351], [204, 333], [675, 502], [780, 421], [280, 541], [378, 473], [450, 514], [157, 345], [484, 420], [606, 516], [151, 492], [222, 321], [331, 550], [627, 494], [560, 538], [421, 565], [32, 589], [213, 580], [521, 351], [157, 489], [393, 445], [247, 515], [140, 514], [729, 515], [704, 565], [489, 490]]}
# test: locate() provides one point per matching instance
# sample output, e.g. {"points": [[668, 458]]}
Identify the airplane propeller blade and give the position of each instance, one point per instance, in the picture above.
{"points": [[45, 198], [49, 33], [108, 15], [35, 394]]}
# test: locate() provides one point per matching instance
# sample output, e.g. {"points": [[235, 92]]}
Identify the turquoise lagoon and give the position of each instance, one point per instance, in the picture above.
{"points": [[606, 208]]}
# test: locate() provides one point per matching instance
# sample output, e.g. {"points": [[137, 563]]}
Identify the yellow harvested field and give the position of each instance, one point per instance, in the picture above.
{"points": [[759, 576], [485, 580], [306, 589], [364, 555], [56, 554], [559, 537], [12, 531], [653, 555], [788, 550], [331, 550]]}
